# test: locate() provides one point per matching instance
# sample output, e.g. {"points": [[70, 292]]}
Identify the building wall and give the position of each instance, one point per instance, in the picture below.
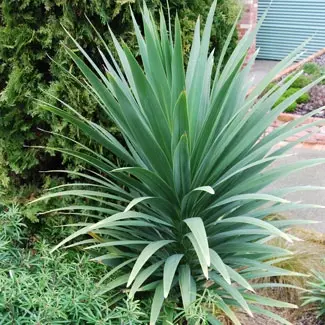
{"points": [[248, 20]]}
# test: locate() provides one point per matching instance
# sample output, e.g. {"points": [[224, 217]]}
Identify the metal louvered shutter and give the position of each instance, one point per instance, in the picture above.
{"points": [[288, 24]]}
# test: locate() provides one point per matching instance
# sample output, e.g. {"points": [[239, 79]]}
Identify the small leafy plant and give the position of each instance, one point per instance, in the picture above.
{"points": [[304, 98], [11, 224], [183, 209], [312, 69], [316, 294], [302, 82]]}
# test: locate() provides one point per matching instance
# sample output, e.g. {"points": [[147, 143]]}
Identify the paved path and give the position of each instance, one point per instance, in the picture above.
{"points": [[261, 69], [314, 176]]}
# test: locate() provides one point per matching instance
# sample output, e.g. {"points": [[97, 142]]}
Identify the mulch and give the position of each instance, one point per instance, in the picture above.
{"points": [[320, 60], [317, 99], [307, 318]]}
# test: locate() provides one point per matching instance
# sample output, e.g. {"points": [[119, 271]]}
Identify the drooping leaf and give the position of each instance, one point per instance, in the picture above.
{"points": [[147, 252], [170, 268]]}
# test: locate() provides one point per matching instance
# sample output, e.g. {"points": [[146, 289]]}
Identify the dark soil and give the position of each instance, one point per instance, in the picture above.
{"points": [[309, 319], [305, 318]]}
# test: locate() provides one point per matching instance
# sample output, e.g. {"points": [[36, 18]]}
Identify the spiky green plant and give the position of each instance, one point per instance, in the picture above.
{"points": [[316, 294], [185, 204]]}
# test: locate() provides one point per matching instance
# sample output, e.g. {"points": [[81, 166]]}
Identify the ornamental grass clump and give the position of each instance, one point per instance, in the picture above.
{"points": [[182, 211], [316, 294]]}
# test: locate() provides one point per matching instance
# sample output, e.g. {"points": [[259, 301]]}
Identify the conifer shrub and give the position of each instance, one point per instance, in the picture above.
{"points": [[30, 33]]}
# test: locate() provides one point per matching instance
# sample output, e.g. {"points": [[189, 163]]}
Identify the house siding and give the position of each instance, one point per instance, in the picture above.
{"points": [[288, 24]]}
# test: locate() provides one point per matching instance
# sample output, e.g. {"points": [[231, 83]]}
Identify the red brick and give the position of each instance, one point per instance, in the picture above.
{"points": [[292, 139], [301, 134], [320, 137], [284, 117], [248, 22]]}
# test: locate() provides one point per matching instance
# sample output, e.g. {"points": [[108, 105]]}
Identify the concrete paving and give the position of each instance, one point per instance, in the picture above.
{"points": [[314, 176], [260, 69]]}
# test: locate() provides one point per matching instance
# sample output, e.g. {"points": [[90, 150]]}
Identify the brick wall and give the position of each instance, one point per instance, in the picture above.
{"points": [[248, 20]]}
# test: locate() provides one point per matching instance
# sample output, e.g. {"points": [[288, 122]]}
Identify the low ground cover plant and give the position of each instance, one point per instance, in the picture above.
{"points": [[304, 98], [181, 213], [313, 69], [37, 287]]}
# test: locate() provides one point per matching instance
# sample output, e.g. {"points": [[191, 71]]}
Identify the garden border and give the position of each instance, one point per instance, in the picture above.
{"points": [[316, 139], [317, 133]]}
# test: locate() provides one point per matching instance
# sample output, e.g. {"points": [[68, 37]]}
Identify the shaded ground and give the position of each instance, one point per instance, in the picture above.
{"points": [[307, 318]]}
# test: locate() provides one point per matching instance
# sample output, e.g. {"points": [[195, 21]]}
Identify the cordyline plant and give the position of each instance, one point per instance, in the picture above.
{"points": [[186, 211]]}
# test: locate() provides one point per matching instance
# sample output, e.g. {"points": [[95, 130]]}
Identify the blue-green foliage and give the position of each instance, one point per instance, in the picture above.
{"points": [[30, 31]]}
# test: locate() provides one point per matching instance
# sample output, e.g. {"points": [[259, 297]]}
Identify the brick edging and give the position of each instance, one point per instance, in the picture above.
{"points": [[316, 139], [286, 117]]}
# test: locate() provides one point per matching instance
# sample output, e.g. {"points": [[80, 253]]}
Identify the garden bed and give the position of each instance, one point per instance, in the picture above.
{"points": [[308, 318], [317, 94], [313, 68]]}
